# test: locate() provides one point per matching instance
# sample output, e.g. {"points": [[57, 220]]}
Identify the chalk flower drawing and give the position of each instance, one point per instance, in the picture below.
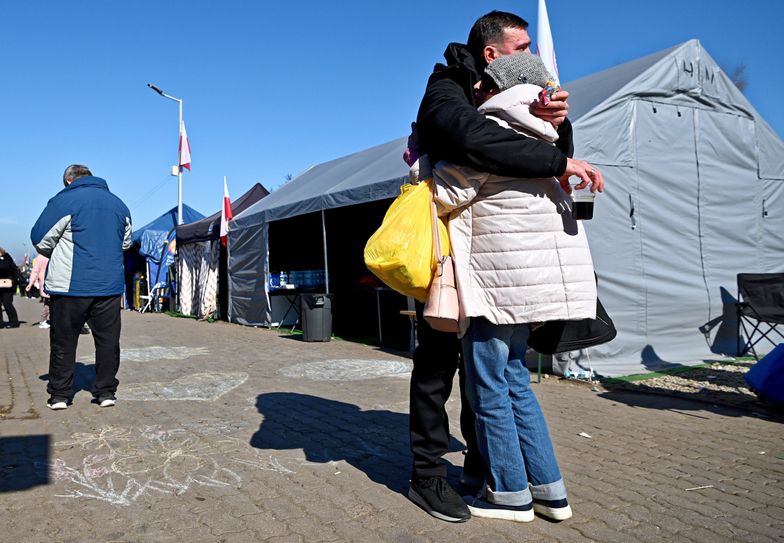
{"points": [[124, 465]]}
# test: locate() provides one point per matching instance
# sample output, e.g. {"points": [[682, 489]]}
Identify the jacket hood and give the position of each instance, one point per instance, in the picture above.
{"points": [[457, 54]]}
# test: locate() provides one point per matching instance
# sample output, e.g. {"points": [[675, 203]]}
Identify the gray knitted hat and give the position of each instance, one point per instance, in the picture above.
{"points": [[511, 70]]}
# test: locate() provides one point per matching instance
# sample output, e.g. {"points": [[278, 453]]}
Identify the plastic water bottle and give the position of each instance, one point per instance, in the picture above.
{"points": [[283, 279]]}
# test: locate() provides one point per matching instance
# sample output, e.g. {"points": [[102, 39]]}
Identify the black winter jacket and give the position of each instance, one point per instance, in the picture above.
{"points": [[450, 127], [8, 270]]}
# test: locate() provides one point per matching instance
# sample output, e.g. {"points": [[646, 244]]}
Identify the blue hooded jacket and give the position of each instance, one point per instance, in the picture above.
{"points": [[84, 230]]}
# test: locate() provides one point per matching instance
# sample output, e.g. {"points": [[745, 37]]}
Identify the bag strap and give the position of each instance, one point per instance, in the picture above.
{"points": [[436, 231]]}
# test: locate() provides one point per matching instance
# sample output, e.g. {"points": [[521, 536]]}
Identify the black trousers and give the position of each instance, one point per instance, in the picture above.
{"points": [[7, 299], [436, 359], [67, 317]]}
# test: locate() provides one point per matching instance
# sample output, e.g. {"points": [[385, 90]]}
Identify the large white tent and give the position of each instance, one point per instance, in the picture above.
{"points": [[695, 195]]}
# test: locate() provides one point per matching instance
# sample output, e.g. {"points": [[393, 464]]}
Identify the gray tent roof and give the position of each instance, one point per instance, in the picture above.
{"points": [[686, 75], [366, 176], [589, 91]]}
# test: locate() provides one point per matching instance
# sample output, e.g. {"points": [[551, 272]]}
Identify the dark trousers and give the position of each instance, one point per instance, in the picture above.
{"points": [[436, 359], [68, 315], [7, 299]]}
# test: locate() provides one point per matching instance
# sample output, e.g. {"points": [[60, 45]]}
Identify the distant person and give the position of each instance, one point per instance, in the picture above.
{"points": [[9, 276], [83, 231], [36, 280]]}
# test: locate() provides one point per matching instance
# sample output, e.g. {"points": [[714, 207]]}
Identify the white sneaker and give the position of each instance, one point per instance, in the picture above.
{"points": [[107, 401], [482, 508], [57, 403], [44, 325]]}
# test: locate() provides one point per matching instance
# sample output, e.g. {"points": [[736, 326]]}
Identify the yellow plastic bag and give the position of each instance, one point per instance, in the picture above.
{"points": [[400, 252]]}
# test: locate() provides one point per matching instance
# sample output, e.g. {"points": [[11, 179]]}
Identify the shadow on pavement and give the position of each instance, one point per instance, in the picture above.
{"points": [[21, 458], [375, 442], [719, 402], [83, 377]]}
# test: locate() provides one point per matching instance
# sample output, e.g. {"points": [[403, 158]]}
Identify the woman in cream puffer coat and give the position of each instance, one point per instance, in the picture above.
{"points": [[519, 255], [520, 259]]}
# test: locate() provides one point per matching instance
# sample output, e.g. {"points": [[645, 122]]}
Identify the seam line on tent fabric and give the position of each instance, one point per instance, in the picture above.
{"points": [[696, 128]]}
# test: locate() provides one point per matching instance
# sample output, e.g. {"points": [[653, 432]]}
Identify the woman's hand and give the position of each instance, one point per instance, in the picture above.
{"points": [[555, 111]]}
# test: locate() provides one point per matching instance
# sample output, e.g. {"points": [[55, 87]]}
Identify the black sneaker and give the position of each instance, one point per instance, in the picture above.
{"points": [[434, 495], [105, 400], [553, 509], [56, 403], [482, 508]]}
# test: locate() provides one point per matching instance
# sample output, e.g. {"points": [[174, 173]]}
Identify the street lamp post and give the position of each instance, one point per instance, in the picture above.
{"points": [[179, 168]]}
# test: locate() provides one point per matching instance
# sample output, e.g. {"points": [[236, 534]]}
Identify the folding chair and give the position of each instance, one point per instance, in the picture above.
{"points": [[151, 298], [760, 302]]}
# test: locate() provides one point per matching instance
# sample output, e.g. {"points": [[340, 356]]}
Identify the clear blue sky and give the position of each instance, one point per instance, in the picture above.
{"points": [[273, 88]]}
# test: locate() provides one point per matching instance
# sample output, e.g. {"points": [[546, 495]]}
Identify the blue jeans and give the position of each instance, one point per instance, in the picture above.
{"points": [[511, 431]]}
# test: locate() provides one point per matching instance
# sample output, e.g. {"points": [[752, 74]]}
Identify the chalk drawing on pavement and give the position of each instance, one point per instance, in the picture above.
{"points": [[120, 466], [208, 386], [123, 465], [155, 352], [347, 370], [266, 464]]}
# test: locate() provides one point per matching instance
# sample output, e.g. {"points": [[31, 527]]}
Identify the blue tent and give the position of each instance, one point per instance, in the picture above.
{"points": [[151, 236], [149, 242]]}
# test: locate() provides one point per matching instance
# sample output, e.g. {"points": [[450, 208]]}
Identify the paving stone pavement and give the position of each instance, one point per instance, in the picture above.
{"points": [[230, 433]]}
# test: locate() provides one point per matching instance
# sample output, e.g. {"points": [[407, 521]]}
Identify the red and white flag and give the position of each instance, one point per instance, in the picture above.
{"points": [[226, 215], [185, 148], [544, 42]]}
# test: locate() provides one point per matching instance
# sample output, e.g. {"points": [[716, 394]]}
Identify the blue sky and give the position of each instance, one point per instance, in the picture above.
{"points": [[273, 88]]}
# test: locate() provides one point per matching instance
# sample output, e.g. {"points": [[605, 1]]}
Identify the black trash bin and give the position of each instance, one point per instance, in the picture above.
{"points": [[316, 310]]}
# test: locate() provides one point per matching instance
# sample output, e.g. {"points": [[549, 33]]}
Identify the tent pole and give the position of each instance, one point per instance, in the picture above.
{"points": [[149, 286], [326, 266]]}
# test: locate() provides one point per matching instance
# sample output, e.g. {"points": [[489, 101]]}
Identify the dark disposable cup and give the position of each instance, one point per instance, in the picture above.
{"points": [[582, 211], [582, 208]]}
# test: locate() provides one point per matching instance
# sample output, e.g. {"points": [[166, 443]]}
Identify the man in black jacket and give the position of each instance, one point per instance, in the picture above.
{"points": [[450, 128]]}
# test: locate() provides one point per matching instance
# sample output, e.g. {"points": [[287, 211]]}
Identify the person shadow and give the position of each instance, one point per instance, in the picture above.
{"points": [[375, 442], [83, 377]]}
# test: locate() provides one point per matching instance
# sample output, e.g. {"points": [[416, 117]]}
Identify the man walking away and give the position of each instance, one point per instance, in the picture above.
{"points": [[83, 231]]}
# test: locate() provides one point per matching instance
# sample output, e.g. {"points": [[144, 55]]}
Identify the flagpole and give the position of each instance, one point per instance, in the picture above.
{"points": [[179, 171], [179, 166]]}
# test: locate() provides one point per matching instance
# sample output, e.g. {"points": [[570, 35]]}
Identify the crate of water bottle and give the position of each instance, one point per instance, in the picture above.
{"points": [[274, 280], [296, 277], [312, 278]]}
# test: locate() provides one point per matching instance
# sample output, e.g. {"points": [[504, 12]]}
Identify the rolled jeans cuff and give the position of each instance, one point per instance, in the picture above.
{"points": [[519, 497], [550, 491]]}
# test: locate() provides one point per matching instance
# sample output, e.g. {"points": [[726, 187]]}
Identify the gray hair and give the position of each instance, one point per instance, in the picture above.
{"points": [[74, 172]]}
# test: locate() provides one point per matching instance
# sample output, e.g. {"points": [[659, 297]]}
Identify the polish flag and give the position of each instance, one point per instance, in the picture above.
{"points": [[226, 215], [185, 148], [544, 42]]}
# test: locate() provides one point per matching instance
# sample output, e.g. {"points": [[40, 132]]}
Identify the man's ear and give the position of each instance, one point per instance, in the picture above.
{"points": [[490, 53]]}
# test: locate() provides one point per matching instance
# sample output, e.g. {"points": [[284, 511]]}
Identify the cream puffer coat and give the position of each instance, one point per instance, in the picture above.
{"points": [[519, 255]]}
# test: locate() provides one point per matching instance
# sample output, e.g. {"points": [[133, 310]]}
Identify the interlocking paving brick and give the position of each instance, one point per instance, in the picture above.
{"points": [[288, 459]]}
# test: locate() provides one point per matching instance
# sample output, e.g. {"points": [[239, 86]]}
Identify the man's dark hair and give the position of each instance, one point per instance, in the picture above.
{"points": [[74, 172], [489, 29]]}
